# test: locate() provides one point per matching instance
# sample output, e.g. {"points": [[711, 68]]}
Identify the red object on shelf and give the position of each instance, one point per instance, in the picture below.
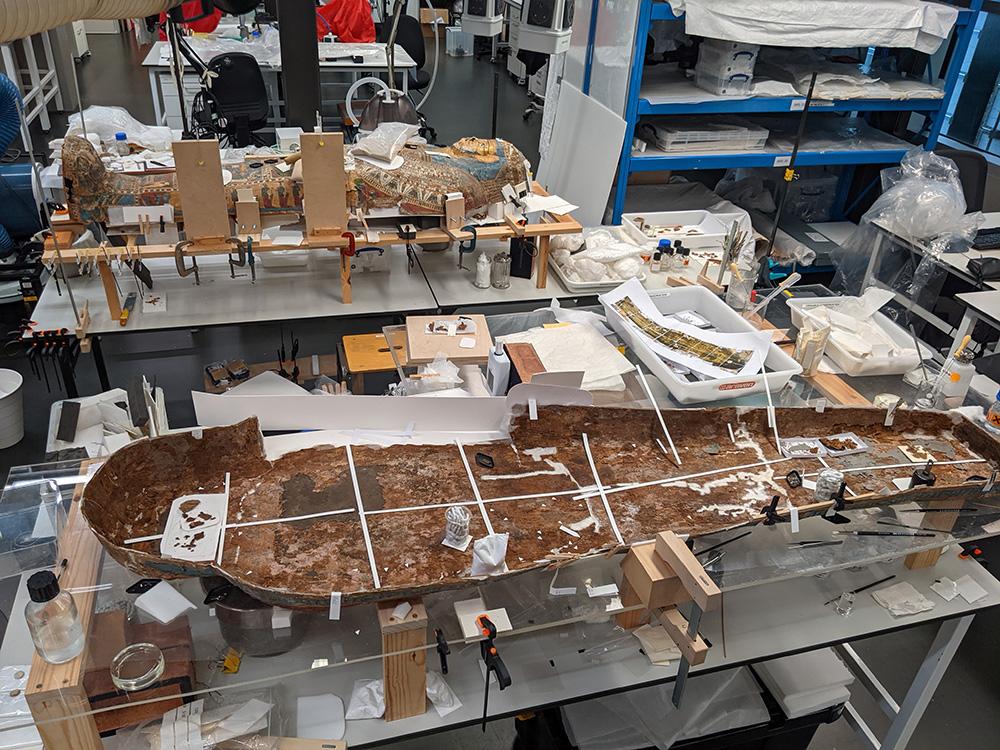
{"points": [[350, 20]]}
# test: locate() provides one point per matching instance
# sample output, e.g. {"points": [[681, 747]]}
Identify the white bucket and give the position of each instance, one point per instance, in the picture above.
{"points": [[11, 408]]}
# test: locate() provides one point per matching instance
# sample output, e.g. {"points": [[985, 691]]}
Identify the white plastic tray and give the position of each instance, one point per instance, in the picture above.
{"points": [[780, 367], [590, 287], [711, 230], [855, 366]]}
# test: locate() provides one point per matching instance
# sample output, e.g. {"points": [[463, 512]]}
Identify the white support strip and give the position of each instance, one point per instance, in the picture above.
{"points": [[361, 517], [860, 727], [289, 519], [772, 419], [659, 414], [222, 531], [475, 488], [684, 477], [600, 489], [908, 465]]}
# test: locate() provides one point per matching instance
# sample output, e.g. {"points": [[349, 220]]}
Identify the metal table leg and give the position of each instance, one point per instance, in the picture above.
{"points": [[906, 715], [102, 370], [154, 88]]}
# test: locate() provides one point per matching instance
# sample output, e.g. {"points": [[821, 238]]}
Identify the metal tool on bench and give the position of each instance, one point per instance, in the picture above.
{"points": [[491, 658]]}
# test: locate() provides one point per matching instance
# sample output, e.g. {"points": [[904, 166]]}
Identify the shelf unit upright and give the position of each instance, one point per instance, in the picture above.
{"points": [[637, 105]]}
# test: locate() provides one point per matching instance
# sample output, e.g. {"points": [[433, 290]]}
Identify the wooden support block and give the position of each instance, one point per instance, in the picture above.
{"points": [[941, 522], [84, 324], [653, 581], [454, 211], [636, 618], [676, 626], [203, 198], [248, 216], [685, 565], [55, 692], [404, 657], [110, 289], [542, 262], [513, 225], [679, 281], [525, 360], [324, 183], [346, 292]]}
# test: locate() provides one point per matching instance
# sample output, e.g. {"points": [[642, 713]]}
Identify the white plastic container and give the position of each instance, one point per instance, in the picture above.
{"points": [[682, 135], [458, 43], [727, 57], [698, 229], [11, 408], [722, 83], [780, 367], [855, 366]]}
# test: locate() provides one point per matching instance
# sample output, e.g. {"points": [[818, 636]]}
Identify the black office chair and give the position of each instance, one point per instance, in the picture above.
{"points": [[972, 169], [410, 37], [236, 104]]}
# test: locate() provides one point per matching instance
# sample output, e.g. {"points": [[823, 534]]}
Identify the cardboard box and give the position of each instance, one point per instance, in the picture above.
{"points": [[427, 17]]}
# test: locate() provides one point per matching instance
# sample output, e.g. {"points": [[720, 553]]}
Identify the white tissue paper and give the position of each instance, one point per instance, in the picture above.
{"points": [[164, 603], [386, 141], [367, 700], [441, 695], [488, 555], [902, 600]]}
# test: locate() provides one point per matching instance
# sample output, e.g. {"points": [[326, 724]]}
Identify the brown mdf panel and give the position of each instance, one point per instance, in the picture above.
{"points": [[203, 198], [323, 182]]}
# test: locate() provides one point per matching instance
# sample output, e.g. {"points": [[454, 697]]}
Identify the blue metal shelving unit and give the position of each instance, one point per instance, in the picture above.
{"points": [[636, 106]]}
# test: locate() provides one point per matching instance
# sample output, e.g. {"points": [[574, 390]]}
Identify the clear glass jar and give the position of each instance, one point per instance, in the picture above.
{"points": [[993, 416], [828, 484], [500, 272], [53, 620]]}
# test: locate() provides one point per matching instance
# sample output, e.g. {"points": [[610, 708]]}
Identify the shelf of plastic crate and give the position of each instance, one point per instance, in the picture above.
{"points": [[652, 159]]}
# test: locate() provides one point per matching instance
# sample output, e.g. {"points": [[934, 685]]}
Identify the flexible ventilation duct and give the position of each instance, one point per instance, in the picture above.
{"points": [[21, 18], [10, 125]]}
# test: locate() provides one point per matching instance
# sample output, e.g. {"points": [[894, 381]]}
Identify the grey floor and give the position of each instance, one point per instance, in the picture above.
{"points": [[964, 712]]}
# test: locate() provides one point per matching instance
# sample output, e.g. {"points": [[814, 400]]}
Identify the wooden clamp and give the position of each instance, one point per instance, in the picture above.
{"points": [[660, 575], [404, 659]]}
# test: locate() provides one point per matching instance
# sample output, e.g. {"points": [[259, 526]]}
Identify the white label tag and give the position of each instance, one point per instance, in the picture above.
{"points": [[281, 619], [797, 105], [467, 343], [793, 512], [335, 597], [532, 409], [782, 161], [821, 406]]}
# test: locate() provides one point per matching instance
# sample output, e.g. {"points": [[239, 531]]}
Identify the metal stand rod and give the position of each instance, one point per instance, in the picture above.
{"points": [[496, 100], [102, 370]]}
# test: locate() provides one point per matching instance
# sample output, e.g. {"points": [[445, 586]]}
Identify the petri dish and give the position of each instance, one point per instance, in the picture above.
{"points": [[136, 667]]}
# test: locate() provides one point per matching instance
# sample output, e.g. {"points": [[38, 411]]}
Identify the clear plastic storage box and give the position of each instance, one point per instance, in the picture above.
{"points": [[723, 84], [458, 43], [727, 58]]}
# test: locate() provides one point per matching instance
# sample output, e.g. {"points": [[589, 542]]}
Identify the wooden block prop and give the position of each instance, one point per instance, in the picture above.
{"points": [[653, 581], [454, 212], [404, 657], [694, 650], [248, 215], [525, 361], [203, 200], [940, 521], [685, 565], [323, 182], [542, 262], [637, 617], [55, 692]]}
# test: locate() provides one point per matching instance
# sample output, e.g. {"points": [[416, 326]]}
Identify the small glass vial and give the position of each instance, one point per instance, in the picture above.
{"points": [[53, 620], [682, 255], [656, 262], [993, 416], [121, 144], [828, 484]]}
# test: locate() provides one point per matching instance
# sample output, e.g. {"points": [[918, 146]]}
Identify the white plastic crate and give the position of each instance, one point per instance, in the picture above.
{"points": [[727, 57], [722, 83], [458, 43], [693, 134], [850, 364], [780, 367]]}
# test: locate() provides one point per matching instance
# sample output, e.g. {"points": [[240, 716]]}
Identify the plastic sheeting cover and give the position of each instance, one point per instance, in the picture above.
{"points": [[831, 23], [21, 18]]}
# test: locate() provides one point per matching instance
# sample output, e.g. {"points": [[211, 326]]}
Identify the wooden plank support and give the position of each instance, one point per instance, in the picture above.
{"points": [[110, 289], [203, 198], [637, 617], [941, 522], [55, 692], [652, 579], [324, 183], [404, 658], [685, 565], [346, 291], [542, 262]]}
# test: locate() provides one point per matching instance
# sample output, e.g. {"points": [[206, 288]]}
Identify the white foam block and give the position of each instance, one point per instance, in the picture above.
{"points": [[320, 717], [164, 603], [468, 610]]}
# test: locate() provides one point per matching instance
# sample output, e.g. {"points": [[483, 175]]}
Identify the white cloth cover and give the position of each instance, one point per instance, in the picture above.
{"points": [[821, 23]]}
